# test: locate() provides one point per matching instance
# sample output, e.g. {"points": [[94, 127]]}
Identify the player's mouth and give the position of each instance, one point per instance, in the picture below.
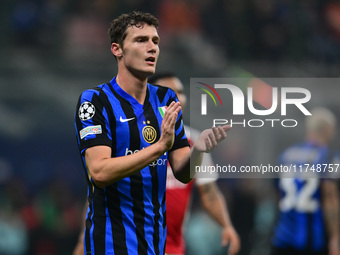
{"points": [[151, 60]]}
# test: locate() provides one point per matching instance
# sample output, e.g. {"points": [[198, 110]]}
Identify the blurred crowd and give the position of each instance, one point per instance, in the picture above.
{"points": [[41, 195], [44, 221], [271, 30]]}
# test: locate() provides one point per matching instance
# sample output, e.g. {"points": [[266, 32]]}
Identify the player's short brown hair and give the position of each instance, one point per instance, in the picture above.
{"points": [[118, 26]]}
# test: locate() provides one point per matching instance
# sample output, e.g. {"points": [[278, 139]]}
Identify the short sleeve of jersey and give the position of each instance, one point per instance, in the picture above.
{"points": [[91, 120]]}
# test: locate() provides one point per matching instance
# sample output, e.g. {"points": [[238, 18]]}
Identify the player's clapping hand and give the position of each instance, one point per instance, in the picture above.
{"points": [[210, 138], [168, 125]]}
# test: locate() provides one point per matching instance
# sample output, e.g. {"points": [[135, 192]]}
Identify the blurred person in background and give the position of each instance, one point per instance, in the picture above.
{"points": [[127, 130], [308, 220], [178, 194]]}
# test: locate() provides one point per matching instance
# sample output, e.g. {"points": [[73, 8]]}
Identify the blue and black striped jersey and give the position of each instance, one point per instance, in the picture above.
{"points": [[300, 223], [128, 216]]}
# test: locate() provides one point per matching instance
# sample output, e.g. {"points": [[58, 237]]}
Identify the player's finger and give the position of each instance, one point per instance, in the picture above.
{"points": [[225, 241], [226, 127], [213, 138], [168, 111], [222, 133], [215, 131], [232, 249], [208, 145], [234, 245], [172, 120], [173, 107], [219, 133], [168, 116]]}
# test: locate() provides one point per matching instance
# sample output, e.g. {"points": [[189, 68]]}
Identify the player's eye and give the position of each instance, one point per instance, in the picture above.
{"points": [[140, 39]]}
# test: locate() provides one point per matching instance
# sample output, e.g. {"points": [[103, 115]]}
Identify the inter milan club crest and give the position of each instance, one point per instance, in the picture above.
{"points": [[86, 111], [149, 132]]}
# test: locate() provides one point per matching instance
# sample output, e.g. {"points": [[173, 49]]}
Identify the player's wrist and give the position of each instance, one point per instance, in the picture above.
{"points": [[165, 143], [161, 147], [196, 156], [228, 227]]}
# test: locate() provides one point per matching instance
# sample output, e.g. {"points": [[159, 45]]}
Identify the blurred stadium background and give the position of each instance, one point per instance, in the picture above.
{"points": [[51, 50]]}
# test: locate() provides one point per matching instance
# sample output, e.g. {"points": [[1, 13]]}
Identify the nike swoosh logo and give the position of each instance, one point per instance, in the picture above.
{"points": [[125, 120]]}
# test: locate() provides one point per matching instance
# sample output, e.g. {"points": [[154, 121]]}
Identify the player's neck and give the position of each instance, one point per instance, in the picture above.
{"points": [[132, 85]]}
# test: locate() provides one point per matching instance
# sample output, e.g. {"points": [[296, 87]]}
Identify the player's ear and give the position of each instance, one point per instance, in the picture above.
{"points": [[116, 50]]}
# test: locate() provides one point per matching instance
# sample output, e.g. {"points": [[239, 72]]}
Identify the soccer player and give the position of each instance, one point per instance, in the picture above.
{"points": [[178, 194], [127, 131], [308, 221]]}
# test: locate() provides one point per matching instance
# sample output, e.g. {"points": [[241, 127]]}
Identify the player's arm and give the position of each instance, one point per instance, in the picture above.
{"points": [[105, 170], [184, 160], [330, 207], [214, 203]]}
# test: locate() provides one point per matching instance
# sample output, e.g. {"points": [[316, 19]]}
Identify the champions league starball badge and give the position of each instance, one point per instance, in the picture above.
{"points": [[86, 111]]}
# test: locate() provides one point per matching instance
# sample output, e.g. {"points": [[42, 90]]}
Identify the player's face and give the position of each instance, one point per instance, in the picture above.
{"points": [[176, 85], [140, 50]]}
